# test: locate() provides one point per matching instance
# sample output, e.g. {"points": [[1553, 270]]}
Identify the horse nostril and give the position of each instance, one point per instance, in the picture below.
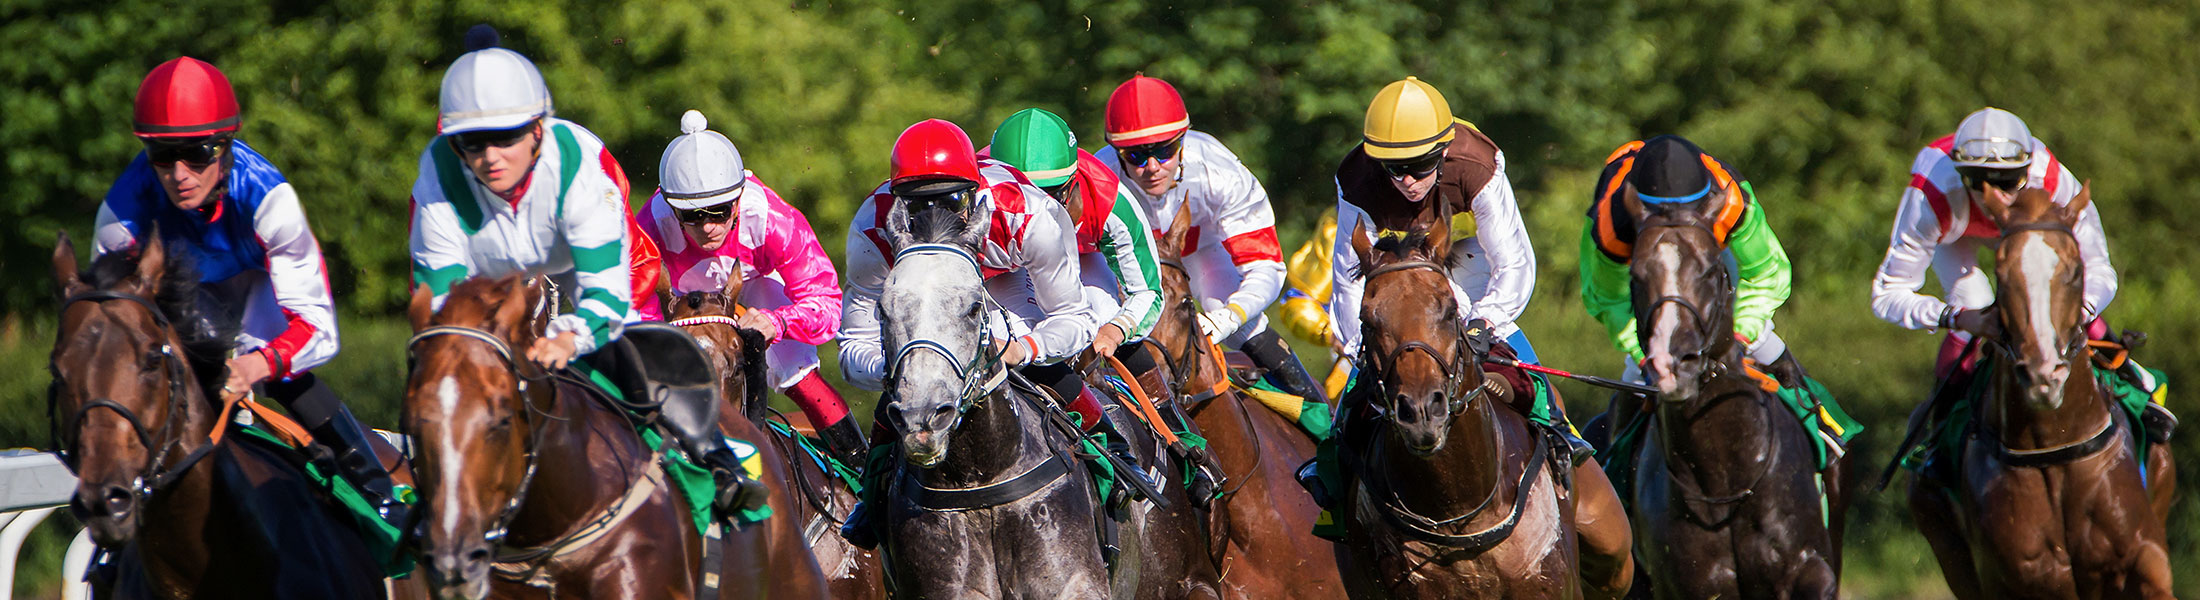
{"points": [[1407, 410], [942, 416], [118, 500], [477, 557]]}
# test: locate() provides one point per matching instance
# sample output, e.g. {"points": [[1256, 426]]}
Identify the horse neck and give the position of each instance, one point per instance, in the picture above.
{"points": [[1728, 422], [586, 457], [989, 444], [2020, 425], [1460, 475]]}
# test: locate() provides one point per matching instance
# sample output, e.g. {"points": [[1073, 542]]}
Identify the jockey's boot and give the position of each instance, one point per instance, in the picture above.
{"points": [[1787, 371], [1309, 477], [828, 413], [691, 416], [1121, 447], [677, 384], [357, 463], [1272, 354], [1207, 474], [861, 528], [2159, 422], [1579, 449], [845, 443]]}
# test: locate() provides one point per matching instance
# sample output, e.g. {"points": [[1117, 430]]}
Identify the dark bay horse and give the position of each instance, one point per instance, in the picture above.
{"points": [[530, 487], [1259, 529], [2050, 503], [1450, 496], [1726, 501], [186, 517], [806, 556]]}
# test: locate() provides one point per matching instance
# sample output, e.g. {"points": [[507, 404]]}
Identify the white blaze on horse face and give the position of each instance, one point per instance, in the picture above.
{"points": [[2038, 261], [446, 392], [1667, 258]]}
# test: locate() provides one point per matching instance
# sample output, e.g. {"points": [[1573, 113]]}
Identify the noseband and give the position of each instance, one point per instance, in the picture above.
{"points": [[502, 525], [151, 478], [1697, 315], [1453, 370], [980, 374]]}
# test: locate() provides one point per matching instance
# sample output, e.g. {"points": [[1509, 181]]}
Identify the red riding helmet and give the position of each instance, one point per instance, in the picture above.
{"points": [[932, 150], [185, 97], [1144, 111]]}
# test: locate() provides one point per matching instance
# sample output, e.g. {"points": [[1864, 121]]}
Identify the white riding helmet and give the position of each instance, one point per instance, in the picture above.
{"points": [[491, 89], [1992, 138], [701, 168]]}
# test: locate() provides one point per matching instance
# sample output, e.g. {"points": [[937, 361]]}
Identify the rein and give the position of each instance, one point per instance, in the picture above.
{"points": [[2071, 354], [501, 526], [152, 478], [987, 362]]}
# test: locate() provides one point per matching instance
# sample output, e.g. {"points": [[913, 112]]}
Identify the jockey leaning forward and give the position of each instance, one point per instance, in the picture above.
{"points": [[508, 188], [1231, 253], [717, 223], [1029, 262], [1115, 246], [215, 197]]}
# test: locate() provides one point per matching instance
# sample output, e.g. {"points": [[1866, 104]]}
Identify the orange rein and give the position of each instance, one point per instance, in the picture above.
{"points": [[1142, 405]]}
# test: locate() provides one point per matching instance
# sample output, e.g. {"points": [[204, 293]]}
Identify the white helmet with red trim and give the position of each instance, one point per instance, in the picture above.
{"points": [[1992, 138]]}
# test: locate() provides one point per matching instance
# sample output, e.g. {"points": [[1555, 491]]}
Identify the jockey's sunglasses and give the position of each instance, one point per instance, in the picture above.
{"points": [[705, 215], [197, 153], [2008, 180], [1416, 167], [1159, 152], [476, 142], [1061, 191]]}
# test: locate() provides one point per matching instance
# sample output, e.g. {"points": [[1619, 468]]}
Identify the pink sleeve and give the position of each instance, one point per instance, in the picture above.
{"points": [[813, 288]]}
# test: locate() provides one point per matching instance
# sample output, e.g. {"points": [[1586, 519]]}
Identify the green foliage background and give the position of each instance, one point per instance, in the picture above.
{"points": [[1821, 104]]}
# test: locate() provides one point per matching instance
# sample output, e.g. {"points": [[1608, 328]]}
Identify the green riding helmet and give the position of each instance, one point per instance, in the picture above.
{"points": [[1040, 144]]}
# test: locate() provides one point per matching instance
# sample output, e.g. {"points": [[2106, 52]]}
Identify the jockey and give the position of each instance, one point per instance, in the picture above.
{"points": [[1415, 151], [1939, 224], [509, 188], [718, 224], [1030, 265], [1232, 255], [1122, 280], [1668, 169], [259, 264]]}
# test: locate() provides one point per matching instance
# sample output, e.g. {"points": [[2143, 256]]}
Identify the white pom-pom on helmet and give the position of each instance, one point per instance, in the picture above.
{"points": [[491, 89], [701, 168]]}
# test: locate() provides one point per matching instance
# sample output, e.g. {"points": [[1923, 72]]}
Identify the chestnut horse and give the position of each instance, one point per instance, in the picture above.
{"points": [[806, 552], [183, 515], [1726, 500], [529, 485], [2050, 502], [1451, 496], [1259, 529]]}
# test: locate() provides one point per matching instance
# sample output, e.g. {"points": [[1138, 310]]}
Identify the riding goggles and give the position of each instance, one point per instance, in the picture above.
{"points": [[197, 153], [955, 198], [476, 142], [1159, 152], [1416, 167], [1062, 191], [2008, 180], [1992, 152], [705, 215]]}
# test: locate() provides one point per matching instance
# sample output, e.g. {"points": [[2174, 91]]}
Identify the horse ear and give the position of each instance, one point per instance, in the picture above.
{"points": [[64, 267], [1631, 202], [2076, 208], [976, 225], [1362, 246], [732, 290], [897, 226], [1437, 247], [152, 262], [422, 307], [518, 300], [1996, 204], [1180, 227]]}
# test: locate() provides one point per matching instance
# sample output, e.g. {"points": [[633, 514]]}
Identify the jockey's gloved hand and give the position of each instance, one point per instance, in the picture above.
{"points": [[1221, 322], [1480, 337]]}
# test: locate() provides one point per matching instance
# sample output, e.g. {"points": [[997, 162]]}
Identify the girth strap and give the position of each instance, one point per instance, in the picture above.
{"points": [[1024, 484], [2058, 454], [525, 565], [1480, 541]]}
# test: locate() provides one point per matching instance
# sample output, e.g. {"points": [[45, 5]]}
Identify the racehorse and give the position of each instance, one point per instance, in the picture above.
{"points": [[803, 539], [529, 485], [1258, 529], [184, 515], [1726, 501], [1451, 496], [2050, 502]]}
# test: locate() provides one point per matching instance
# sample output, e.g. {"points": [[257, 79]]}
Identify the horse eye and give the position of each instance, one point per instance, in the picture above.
{"points": [[150, 361], [975, 307], [502, 425]]}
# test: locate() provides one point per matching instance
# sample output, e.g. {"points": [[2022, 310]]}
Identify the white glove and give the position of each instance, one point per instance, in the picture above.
{"points": [[1221, 322]]}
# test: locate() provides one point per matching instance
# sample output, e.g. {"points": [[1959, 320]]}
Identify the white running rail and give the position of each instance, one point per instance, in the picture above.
{"points": [[32, 485]]}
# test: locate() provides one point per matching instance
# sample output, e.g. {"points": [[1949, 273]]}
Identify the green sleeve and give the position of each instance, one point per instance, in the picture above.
{"points": [[1604, 291], [1764, 270], [1126, 244]]}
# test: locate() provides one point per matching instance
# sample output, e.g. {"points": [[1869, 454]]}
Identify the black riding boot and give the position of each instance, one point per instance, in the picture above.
{"points": [[1787, 371], [678, 386], [1284, 369], [1121, 447], [1207, 474], [333, 427], [846, 443]]}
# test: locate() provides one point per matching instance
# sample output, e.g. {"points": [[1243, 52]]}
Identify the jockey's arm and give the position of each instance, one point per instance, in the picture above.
{"points": [[1248, 226], [297, 276], [812, 315], [862, 363], [1910, 250], [645, 265], [1766, 277], [1606, 293], [1504, 241], [2100, 274], [1345, 284], [1126, 244], [595, 223], [437, 244], [1050, 260]]}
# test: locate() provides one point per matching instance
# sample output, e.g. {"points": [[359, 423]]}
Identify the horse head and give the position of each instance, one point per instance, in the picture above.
{"points": [[1413, 338], [1683, 294], [126, 405], [736, 354], [466, 408], [2039, 282], [936, 320], [1176, 330]]}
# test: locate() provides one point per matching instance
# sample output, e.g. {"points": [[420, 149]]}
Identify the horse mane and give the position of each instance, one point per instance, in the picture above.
{"points": [[1400, 247], [207, 338], [936, 224]]}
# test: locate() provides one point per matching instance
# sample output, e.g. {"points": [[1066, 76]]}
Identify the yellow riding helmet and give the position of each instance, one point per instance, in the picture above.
{"points": [[1406, 120]]}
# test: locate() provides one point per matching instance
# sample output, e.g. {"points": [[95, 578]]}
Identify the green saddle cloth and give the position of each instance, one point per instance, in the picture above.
{"points": [[1950, 425], [381, 537]]}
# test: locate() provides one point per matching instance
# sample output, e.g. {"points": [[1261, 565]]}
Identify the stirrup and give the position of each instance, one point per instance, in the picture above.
{"points": [[2159, 422], [1310, 479]]}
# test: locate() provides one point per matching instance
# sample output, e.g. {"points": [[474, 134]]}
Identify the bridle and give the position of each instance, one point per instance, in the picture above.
{"points": [[151, 478], [1711, 341], [502, 524], [980, 374], [2077, 343], [1181, 378], [1453, 370], [2071, 354]]}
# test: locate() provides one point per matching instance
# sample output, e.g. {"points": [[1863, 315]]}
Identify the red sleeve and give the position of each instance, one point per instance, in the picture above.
{"points": [[1254, 246]]}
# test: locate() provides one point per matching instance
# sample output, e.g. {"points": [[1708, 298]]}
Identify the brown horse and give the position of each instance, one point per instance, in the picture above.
{"points": [[2050, 503], [1451, 497], [184, 515], [529, 486], [806, 552], [1259, 529], [1726, 497]]}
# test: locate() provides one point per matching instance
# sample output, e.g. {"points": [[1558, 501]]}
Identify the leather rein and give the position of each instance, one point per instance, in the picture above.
{"points": [[152, 477]]}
